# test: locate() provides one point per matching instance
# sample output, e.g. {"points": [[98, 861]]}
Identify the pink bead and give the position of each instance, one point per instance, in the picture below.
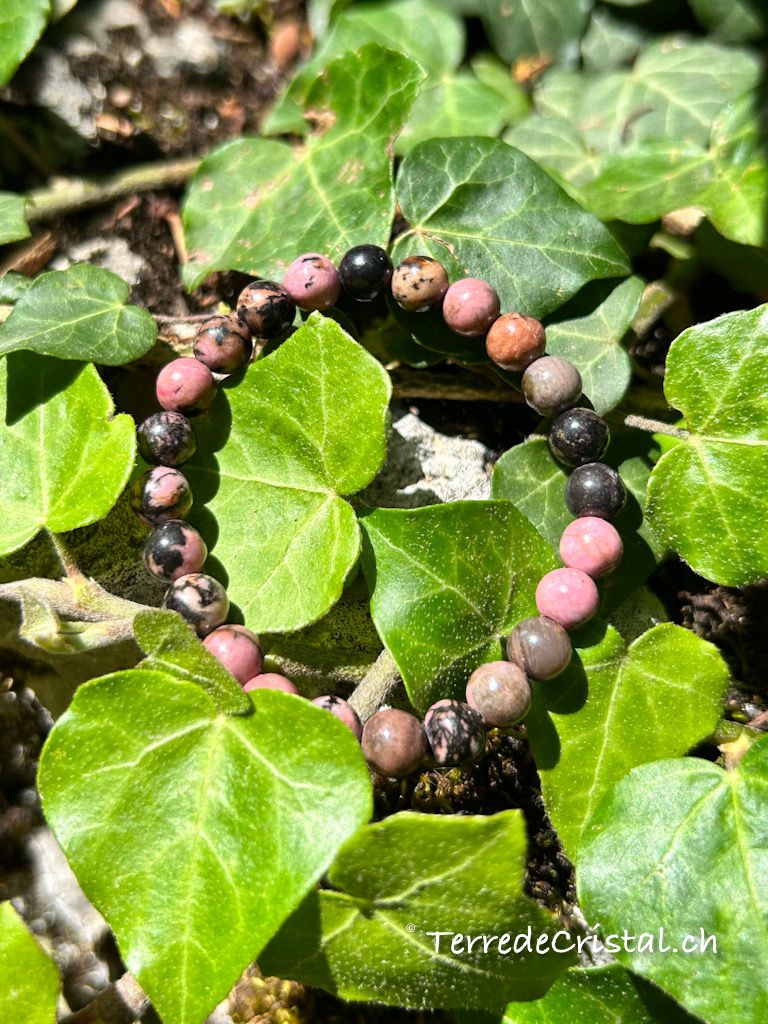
{"points": [[312, 281], [270, 681], [592, 545], [470, 306], [186, 386], [238, 650], [340, 709], [568, 596]]}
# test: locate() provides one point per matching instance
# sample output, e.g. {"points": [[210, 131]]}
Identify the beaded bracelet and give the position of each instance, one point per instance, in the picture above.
{"points": [[498, 693]]}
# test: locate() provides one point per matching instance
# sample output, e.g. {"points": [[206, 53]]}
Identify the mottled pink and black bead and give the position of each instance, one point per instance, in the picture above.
{"points": [[455, 733], [340, 709], [161, 493], [312, 282], [271, 681], [393, 742], [266, 309], [185, 386], [166, 439], [173, 549], [418, 283], [223, 344], [238, 649], [470, 306], [199, 599]]}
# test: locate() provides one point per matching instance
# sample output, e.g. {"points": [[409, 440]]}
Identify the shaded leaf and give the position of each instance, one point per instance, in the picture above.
{"points": [[30, 980], [13, 224], [455, 106], [610, 41], [733, 21], [531, 28]]}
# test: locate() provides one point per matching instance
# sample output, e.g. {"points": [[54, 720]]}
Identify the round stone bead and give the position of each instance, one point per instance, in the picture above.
{"points": [[312, 282], [579, 436], [540, 646], [238, 649], [500, 693], [595, 490], [551, 385], [266, 309], [159, 494], [223, 344], [455, 733], [185, 386], [173, 549], [393, 742], [271, 681], [340, 709], [365, 272], [199, 599], [515, 341], [418, 283], [166, 439], [592, 545], [568, 596], [470, 306]]}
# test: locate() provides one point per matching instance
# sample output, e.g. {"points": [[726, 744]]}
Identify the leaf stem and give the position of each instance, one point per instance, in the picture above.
{"points": [[66, 559], [375, 688], [656, 426]]}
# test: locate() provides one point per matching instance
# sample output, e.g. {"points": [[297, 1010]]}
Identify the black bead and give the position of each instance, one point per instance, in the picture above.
{"points": [[579, 436], [364, 272], [166, 439], [595, 490]]}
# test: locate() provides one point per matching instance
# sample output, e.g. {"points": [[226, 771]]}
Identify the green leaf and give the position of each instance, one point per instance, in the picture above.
{"points": [[30, 988], [610, 41], [498, 76], [64, 456], [13, 286], [743, 266], [401, 879], [13, 224], [732, 21], [531, 28], [447, 582], [456, 106], [615, 707], [304, 426], [21, 25], [559, 147], [680, 844], [79, 313], [196, 833], [170, 646], [255, 204], [485, 209], [706, 497]]}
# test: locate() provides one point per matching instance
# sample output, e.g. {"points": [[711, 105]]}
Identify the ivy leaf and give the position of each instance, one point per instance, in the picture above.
{"points": [[680, 845], [447, 582], [30, 989], [732, 21], [498, 76], [455, 106], [21, 25], [610, 41], [79, 313], [716, 375], [559, 146], [304, 426], [400, 880], [64, 456], [485, 209], [13, 224], [615, 707], [197, 833], [255, 203], [550, 28]]}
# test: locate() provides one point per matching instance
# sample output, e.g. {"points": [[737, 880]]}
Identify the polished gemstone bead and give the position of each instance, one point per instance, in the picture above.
{"points": [[595, 490], [199, 599], [500, 692], [161, 493], [579, 436], [551, 385], [540, 646], [592, 545], [238, 649], [271, 681], [223, 344], [568, 596], [312, 282], [340, 709], [470, 306], [166, 439], [185, 385], [514, 341], [365, 272], [418, 283], [266, 309], [394, 742], [455, 733], [173, 549]]}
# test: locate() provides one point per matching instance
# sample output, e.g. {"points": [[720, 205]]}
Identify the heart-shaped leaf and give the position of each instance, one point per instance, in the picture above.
{"points": [[404, 879], [30, 981], [79, 313], [486, 210], [64, 456], [304, 426], [254, 204], [615, 707], [716, 375], [680, 845], [455, 106], [447, 582], [13, 224], [196, 833], [551, 27], [609, 41], [21, 25]]}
